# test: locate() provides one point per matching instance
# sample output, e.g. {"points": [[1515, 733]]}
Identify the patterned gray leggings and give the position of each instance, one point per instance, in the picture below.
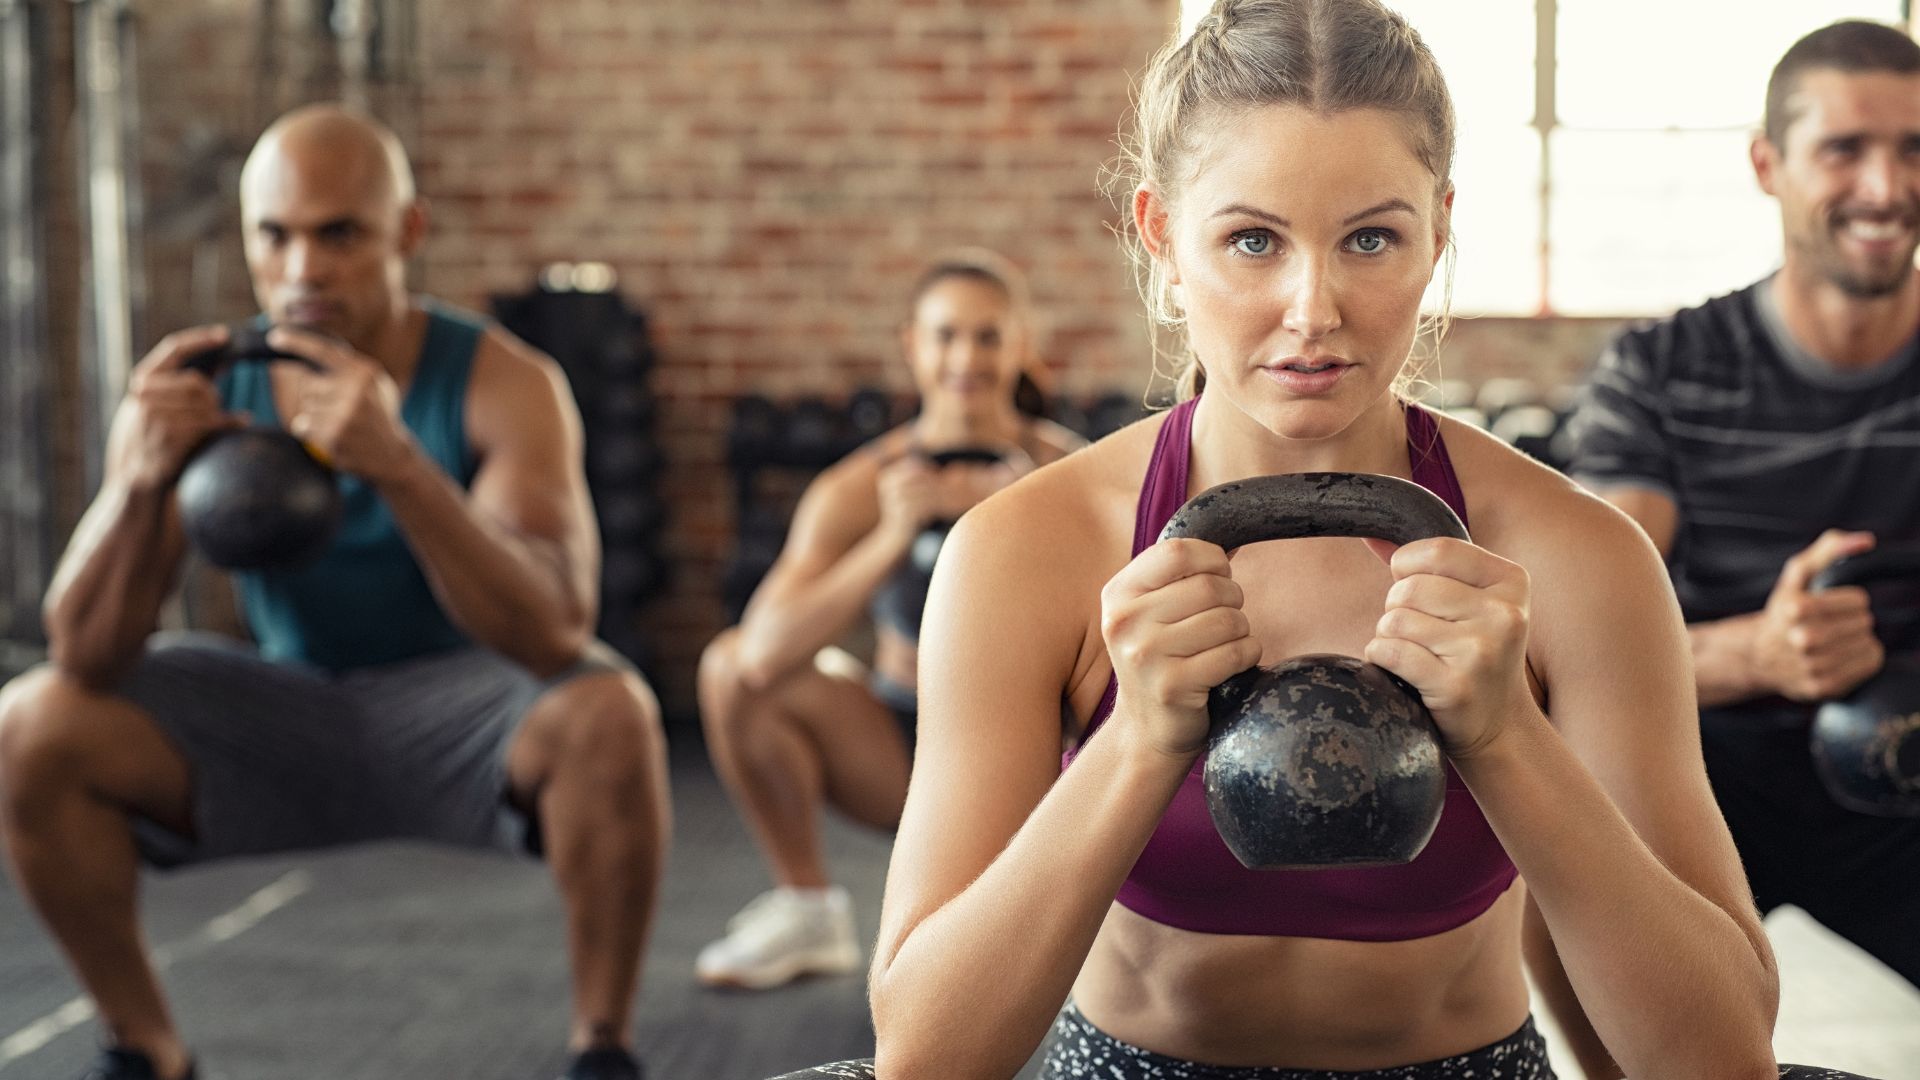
{"points": [[1076, 1049], [863, 1070]]}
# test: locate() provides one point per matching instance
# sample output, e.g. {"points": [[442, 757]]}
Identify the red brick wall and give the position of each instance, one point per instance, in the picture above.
{"points": [[765, 177]]}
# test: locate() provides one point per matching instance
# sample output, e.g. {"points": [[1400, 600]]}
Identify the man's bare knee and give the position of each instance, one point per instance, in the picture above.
{"points": [[58, 735], [611, 732], [41, 746]]}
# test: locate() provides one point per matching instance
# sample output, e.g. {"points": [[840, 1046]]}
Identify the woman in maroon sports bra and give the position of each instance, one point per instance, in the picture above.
{"points": [[1292, 162]]}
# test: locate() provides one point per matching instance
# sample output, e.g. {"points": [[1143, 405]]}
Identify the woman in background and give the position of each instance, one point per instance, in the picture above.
{"points": [[788, 733]]}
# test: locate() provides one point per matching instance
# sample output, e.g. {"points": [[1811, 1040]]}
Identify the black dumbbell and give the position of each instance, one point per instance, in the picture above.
{"points": [[633, 572], [629, 514], [628, 404], [1064, 412], [757, 432], [1111, 412], [617, 457], [869, 413], [762, 534], [813, 435], [1528, 429], [1497, 395]]}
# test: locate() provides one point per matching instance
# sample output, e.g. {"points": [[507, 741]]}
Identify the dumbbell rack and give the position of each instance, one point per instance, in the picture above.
{"points": [[773, 450], [602, 345], [1526, 416]]}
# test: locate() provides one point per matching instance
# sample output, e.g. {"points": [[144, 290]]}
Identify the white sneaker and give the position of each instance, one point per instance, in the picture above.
{"points": [[782, 935]]}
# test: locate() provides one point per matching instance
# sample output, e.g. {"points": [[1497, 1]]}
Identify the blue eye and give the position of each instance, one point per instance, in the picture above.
{"points": [[1252, 242], [1371, 241]]}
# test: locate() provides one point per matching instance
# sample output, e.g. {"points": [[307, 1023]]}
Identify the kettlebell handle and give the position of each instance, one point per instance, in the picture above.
{"points": [[246, 342], [1880, 564], [960, 455], [1295, 505]]}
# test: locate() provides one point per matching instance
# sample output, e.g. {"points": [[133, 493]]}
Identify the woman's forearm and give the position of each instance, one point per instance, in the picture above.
{"points": [[781, 633], [1677, 986], [971, 990]]}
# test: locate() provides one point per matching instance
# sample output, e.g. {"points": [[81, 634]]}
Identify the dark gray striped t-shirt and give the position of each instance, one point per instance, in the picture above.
{"points": [[1760, 445]]}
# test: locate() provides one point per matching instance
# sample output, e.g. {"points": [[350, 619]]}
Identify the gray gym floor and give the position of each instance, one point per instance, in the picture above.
{"points": [[402, 960], [406, 961]]}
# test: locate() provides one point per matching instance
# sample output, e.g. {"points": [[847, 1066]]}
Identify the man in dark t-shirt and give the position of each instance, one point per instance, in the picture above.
{"points": [[1759, 437]]}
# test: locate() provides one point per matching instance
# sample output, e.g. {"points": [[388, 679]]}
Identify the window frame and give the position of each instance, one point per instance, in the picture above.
{"points": [[1545, 122]]}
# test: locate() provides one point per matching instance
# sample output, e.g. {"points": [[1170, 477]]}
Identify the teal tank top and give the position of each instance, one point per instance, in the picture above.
{"points": [[366, 601]]}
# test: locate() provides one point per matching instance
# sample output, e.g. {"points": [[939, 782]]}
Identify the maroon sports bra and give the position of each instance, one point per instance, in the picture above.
{"points": [[1187, 878]]}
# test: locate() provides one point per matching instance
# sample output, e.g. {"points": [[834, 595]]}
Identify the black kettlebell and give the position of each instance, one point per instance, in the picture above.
{"points": [[1320, 760], [1866, 746], [903, 597], [255, 498]]}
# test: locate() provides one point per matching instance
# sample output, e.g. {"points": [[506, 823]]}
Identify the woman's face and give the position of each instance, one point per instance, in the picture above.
{"points": [[1299, 252], [964, 344]]}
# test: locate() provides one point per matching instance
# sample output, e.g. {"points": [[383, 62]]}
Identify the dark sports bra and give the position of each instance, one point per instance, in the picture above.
{"points": [[1187, 878]]}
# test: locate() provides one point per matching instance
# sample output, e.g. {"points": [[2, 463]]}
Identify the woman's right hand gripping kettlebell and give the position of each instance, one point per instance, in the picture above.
{"points": [[1174, 629]]}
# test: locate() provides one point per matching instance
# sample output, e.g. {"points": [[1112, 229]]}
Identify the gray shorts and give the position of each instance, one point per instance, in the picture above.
{"points": [[285, 756]]}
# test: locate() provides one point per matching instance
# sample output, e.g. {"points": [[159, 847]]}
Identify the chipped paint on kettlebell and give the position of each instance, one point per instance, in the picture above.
{"points": [[1866, 748], [1322, 761]]}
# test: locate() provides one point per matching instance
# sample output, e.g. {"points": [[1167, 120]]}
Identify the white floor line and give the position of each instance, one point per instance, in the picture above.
{"points": [[221, 928]]}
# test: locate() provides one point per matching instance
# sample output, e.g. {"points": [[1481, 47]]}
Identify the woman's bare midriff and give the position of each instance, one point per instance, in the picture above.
{"points": [[1307, 1003]]}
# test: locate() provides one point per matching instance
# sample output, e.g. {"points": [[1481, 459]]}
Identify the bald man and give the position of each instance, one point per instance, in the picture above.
{"points": [[432, 676]]}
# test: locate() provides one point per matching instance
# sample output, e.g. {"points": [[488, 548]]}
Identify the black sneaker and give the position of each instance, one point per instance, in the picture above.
{"points": [[117, 1064], [602, 1063]]}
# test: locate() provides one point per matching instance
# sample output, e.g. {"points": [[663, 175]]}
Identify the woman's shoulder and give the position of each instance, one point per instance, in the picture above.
{"points": [[1524, 510], [1599, 597]]}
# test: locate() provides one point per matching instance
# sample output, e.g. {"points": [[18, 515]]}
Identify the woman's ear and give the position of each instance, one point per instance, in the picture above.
{"points": [[1154, 225], [1443, 225]]}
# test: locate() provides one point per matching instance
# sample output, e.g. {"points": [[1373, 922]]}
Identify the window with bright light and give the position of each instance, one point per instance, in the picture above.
{"points": [[1611, 176]]}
